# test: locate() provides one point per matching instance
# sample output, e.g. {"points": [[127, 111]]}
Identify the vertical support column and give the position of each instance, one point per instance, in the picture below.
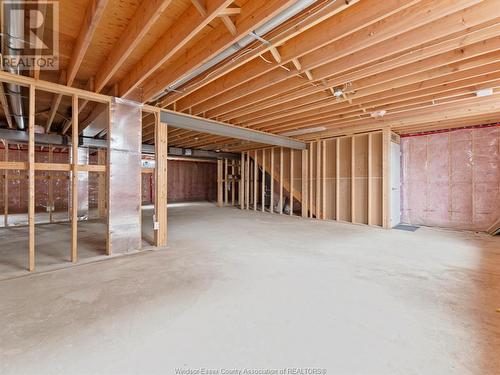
{"points": [[386, 178], [161, 182], [271, 174], [353, 180], [74, 180], [247, 180], [311, 170], [226, 182], [323, 180], [6, 188], [233, 181], [318, 180], [370, 176], [255, 178], [241, 195], [101, 201], [50, 203], [263, 192], [337, 179], [305, 193], [31, 179], [220, 196], [291, 182], [281, 181]]}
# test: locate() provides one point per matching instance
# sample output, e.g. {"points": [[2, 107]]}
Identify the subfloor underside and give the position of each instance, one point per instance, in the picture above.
{"points": [[240, 289]]}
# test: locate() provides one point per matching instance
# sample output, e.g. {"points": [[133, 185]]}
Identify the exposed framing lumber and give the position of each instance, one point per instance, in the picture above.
{"points": [[305, 193], [271, 204], [281, 182], [31, 179], [255, 179], [6, 187], [247, 182], [253, 14], [220, 178], [263, 183], [242, 190], [5, 107], [102, 198], [161, 185], [386, 175], [74, 180], [226, 182], [174, 39], [291, 182]]}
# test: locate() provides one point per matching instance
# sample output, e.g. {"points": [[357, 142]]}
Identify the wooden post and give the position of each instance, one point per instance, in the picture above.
{"points": [[255, 178], [370, 176], [247, 180], [233, 181], [323, 180], [74, 181], [263, 192], [318, 180], [161, 182], [281, 181], [386, 178], [220, 195], [311, 188], [241, 195], [291, 182], [6, 188], [31, 178], [226, 182], [51, 186], [353, 180], [271, 173], [337, 179], [101, 201], [305, 194]]}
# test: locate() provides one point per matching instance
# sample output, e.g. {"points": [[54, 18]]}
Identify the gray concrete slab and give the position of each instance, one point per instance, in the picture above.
{"points": [[249, 290]]}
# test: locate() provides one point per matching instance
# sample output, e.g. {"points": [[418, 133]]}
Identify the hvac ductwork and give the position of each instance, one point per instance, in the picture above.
{"points": [[257, 34], [13, 45]]}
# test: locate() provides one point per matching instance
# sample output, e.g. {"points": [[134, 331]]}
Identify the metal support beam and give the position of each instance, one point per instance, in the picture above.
{"points": [[202, 125]]}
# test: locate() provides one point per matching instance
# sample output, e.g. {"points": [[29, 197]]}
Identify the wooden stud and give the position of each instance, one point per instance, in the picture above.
{"points": [[263, 187], [323, 180], [305, 174], [247, 180], [226, 181], [6, 187], [74, 181], [370, 177], [318, 180], [241, 195], [271, 204], [255, 179], [386, 178], [31, 178], [161, 182], [50, 202], [291, 182], [353, 180], [311, 180], [233, 182], [281, 182], [220, 193], [101, 201], [337, 179]]}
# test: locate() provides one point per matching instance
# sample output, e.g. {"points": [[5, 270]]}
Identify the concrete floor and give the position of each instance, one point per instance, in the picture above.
{"points": [[246, 290]]}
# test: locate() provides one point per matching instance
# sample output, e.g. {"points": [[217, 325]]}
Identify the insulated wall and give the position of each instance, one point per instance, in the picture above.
{"points": [[452, 179]]}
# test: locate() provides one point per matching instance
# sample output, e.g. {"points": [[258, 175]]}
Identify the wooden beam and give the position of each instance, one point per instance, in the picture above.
{"points": [[50, 203], [386, 178], [6, 188], [31, 179], [323, 180], [337, 179], [74, 180], [318, 180], [200, 7], [171, 42], [220, 193], [263, 192], [253, 14], [271, 205], [5, 107], [370, 177], [247, 180], [161, 182], [226, 182], [231, 27], [148, 13], [353, 180], [281, 181], [276, 55], [291, 182], [255, 180], [305, 194], [101, 202]]}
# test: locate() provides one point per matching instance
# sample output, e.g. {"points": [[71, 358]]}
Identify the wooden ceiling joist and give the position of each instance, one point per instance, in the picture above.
{"points": [[253, 14]]}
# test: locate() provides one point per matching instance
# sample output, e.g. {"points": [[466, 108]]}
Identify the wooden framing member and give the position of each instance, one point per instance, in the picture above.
{"points": [[281, 182], [311, 179], [323, 180], [271, 198], [291, 182], [74, 180], [241, 195], [226, 182], [337, 179], [247, 180], [263, 192], [305, 193], [233, 181], [370, 176], [220, 193], [353, 179], [31, 179], [255, 180], [50, 203], [6, 187], [386, 176], [161, 183], [318, 179]]}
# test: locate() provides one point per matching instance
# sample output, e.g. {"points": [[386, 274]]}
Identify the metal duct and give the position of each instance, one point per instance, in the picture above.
{"points": [[14, 46], [245, 41]]}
